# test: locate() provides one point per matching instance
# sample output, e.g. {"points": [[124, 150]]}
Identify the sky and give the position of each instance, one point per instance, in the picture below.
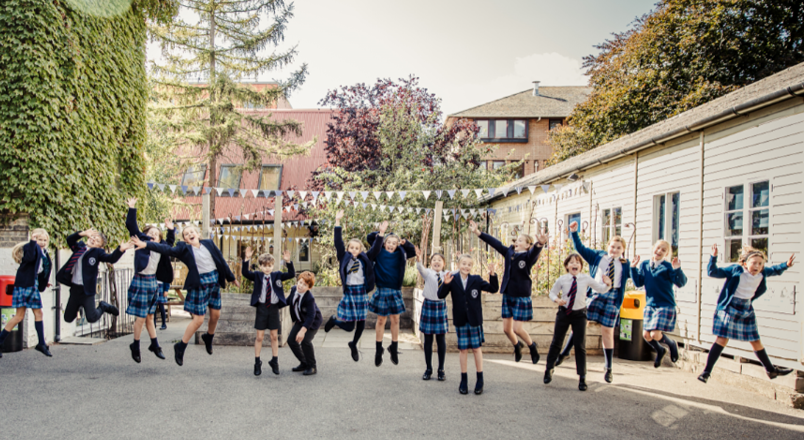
{"points": [[467, 52]]}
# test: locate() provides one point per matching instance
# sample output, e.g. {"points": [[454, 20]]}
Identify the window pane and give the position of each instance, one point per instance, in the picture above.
{"points": [[734, 198], [674, 221], [734, 247], [734, 224], [520, 129], [497, 164], [484, 129], [555, 123], [761, 244], [304, 251], [618, 221], [500, 129], [574, 218], [269, 179], [520, 171], [660, 201], [759, 222], [605, 221], [194, 176], [230, 177], [760, 192]]}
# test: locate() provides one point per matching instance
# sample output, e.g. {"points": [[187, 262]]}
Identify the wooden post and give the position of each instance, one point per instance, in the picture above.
{"points": [[284, 314], [205, 219], [438, 214]]}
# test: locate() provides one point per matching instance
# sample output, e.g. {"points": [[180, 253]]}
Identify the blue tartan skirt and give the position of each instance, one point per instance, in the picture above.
{"points": [[659, 318], [519, 308], [142, 295], [469, 336], [163, 289], [27, 296], [209, 295], [603, 310], [433, 319], [354, 304], [738, 321], [387, 302]]}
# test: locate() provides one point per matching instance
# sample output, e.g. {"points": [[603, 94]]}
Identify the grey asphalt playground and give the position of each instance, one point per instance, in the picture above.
{"points": [[98, 392]]}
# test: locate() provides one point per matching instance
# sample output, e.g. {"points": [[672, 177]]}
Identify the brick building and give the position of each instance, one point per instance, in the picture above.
{"points": [[518, 124]]}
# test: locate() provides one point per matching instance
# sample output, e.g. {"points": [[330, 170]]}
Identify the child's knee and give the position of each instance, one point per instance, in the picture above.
{"points": [[260, 338], [273, 335], [646, 334], [37, 314]]}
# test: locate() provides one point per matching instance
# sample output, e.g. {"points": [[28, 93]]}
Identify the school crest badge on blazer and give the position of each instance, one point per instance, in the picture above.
{"points": [[522, 264], [92, 261], [475, 293]]}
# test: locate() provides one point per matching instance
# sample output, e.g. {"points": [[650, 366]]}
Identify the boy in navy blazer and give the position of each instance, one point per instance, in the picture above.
{"points": [[80, 274], [306, 319], [267, 298], [467, 313]]}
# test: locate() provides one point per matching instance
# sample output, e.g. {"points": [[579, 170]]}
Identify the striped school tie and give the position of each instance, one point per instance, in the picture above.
{"points": [[440, 281], [611, 271], [354, 267], [74, 258], [571, 295]]}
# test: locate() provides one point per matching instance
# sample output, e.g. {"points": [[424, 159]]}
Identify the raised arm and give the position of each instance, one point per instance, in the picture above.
{"points": [[290, 274], [115, 256], [171, 233], [29, 252], [249, 275], [534, 252], [587, 254], [160, 248], [493, 242], [371, 237], [409, 248], [772, 271], [716, 272], [637, 274], [73, 239], [444, 290], [678, 277], [491, 286], [131, 220], [375, 249]]}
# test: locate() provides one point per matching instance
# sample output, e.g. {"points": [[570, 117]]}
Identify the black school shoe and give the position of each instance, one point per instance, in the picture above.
{"points": [[135, 352], [534, 354], [157, 350], [274, 363], [108, 308], [659, 356], [518, 351], [428, 373], [208, 341], [178, 353], [310, 371], [441, 376], [778, 371], [548, 376], [393, 349], [300, 368], [353, 348], [330, 323], [582, 384], [479, 388], [704, 376], [462, 388], [608, 376], [45, 351], [378, 356], [257, 368]]}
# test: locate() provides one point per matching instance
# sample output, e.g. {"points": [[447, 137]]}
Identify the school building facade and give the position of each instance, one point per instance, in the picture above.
{"points": [[730, 172]]}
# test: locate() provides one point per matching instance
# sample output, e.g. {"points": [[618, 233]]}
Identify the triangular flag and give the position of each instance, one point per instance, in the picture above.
{"points": [[426, 210], [352, 195], [231, 192], [545, 188], [303, 194], [150, 185], [479, 193], [426, 194], [207, 190], [451, 193], [504, 191], [161, 186], [365, 195], [531, 189], [278, 193], [327, 194], [219, 190], [465, 192], [438, 194], [389, 195], [491, 191], [290, 194], [255, 192], [377, 195], [184, 189], [242, 193], [340, 195], [402, 195], [418, 210], [519, 190], [558, 186], [172, 188]]}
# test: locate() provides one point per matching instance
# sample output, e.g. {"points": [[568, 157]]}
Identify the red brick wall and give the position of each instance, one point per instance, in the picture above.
{"points": [[536, 149]]}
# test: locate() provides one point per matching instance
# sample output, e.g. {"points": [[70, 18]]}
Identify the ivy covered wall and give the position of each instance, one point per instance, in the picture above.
{"points": [[73, 90]]}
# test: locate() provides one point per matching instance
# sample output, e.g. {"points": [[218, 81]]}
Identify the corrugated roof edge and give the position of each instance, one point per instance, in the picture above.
{"points": [[601, 154], [455, 115]]}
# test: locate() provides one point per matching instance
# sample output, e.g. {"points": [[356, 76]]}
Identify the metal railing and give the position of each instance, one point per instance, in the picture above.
{"points": [[112, 288]]}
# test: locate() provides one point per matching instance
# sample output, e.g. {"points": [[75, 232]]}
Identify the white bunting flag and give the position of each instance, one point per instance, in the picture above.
{"points": [[451, 193], [303, 195], [377, 195], [531, 189], [426, 194], [402, 195], [479, 193], [290, 194], [465, 193], [255, 192], [365, 195], [438, 194], [172, 188], [519, 190]]}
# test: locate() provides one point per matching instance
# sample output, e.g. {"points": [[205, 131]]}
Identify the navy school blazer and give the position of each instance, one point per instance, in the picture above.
{"points": [[593, 257], [89, 266], [365, 259], [408, 248], [732, 275], [31, 258], [184, 253], [516, 274], [310, 317], [467, 306], [164, 270], [658, 282], [257, 277]]}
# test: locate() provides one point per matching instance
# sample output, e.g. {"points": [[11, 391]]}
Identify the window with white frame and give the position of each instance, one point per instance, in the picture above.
{"points": [[304, 250], [612, 222], [573, 218], [746, 218], [666, 219]]}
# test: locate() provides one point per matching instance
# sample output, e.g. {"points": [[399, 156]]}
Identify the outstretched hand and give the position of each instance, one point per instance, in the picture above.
{"points": [[248, 253], [473, 228], [125, 245], [88, 232], [383, 227], [448, 277], [339, 215], [139, 244], [791, 260], [286, 256], [676, 263], [169, 224], [132, 202], [418, 254], [492, 268], [714, 250], [542, 239], [635, 261]]}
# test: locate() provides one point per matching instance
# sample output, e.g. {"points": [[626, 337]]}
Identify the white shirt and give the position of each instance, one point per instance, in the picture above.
{"points": [[564, 284], [603, 268], [430, 276], [266, 281], [203, 260], [463, 280], [153, 262], [357, 278], [297, 304], [78, 278], [748, 285]]}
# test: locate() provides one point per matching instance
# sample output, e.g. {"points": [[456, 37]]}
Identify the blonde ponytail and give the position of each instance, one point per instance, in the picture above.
{"points": [[16, 252]]}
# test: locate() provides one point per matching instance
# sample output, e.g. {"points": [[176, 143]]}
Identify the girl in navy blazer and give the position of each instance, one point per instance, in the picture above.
{"points": [[357, 278], [306, 319], [32, 279], [267, 299], [517, 285], [658, 276], [467, 313], [207, 273], [734, 315], [144, 292], [80, 274], [604, 308]]}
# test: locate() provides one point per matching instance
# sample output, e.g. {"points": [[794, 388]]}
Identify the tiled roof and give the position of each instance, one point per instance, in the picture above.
{"points": [[551, 102]]}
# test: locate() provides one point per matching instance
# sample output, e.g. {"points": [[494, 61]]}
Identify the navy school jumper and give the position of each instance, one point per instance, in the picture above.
{"points": [[184, 253], [276, 277], [89, 266], [658, 282], [516, 280], [732, 275], [164, 270], [365, 259]]}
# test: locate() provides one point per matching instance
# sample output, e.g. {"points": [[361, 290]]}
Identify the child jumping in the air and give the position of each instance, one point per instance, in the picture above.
{"points": [[734, 316], [207, 273], [433, 321], [32, 279], [658, 276], [387, 302], [467, 314], [306, 319], [267, 298], [151, 270], [517, 285], [603, 307], [357, 278], [572, 313]]}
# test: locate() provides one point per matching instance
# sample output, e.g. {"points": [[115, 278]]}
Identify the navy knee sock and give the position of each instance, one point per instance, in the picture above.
{"points": [[480, 378], [154, 342], [379, 345], [609, 354], [671, 344], [3, 335], [359, 330], [714, 355], [762, 355], [442, 350], [428, 351], [137, 344], [345, 325], [655, 346], [40, 331], [464, 380]]}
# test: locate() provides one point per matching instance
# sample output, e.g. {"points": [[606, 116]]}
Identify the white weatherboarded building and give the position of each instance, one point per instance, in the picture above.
{"points": [[730, 172]]}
